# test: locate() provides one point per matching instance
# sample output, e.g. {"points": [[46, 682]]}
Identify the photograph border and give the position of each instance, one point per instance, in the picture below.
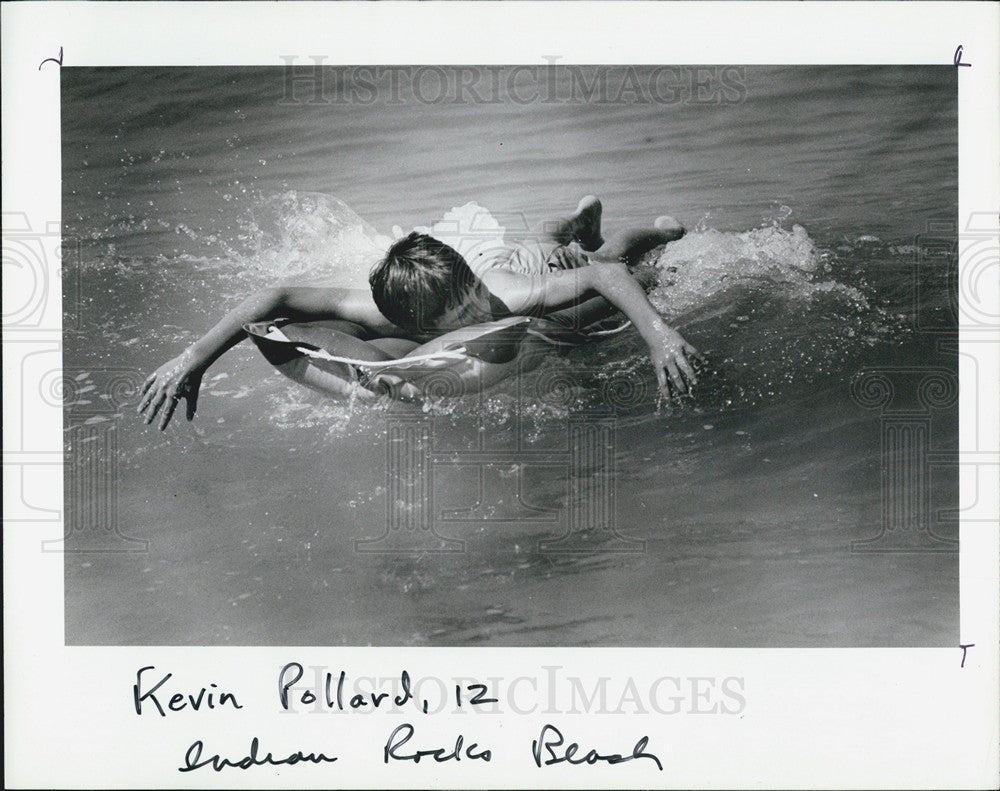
{"points": [[796, 718]]}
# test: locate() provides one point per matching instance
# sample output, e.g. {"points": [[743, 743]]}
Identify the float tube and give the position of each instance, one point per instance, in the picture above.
{"points": [[340, 358]]}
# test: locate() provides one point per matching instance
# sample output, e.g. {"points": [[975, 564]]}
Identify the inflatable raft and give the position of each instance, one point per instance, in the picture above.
{"points": [[340, 358]]}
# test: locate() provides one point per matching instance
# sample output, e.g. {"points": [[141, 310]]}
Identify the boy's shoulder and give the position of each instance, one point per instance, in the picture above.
{"points": [[536, 257], [485, 255]]}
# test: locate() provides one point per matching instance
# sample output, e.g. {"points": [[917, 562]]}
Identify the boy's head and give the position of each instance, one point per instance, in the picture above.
{"points": [[418, 281]]}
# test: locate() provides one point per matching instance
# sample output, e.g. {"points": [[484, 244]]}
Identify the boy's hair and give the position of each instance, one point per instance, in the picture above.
{"points": [[418, 280]]}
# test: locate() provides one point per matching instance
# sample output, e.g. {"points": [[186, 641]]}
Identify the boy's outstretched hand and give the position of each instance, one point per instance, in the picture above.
{"points": [[167, 385], [669, 354]]}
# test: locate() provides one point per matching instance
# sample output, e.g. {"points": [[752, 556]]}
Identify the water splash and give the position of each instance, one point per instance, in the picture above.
{"points": [[466, 228], [697, 268], [765, 301], [771, 307], [298, 234]]}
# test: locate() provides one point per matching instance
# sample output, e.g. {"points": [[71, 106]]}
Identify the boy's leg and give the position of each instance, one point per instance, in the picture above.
{"points": [[583, 227], [629, 246]]}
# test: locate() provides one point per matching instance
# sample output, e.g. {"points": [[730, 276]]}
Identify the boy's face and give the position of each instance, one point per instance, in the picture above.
{"points": [[473, 308]]}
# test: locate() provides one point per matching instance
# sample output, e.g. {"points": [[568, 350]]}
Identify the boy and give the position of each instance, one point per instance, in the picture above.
{"points": [[424, 287]]}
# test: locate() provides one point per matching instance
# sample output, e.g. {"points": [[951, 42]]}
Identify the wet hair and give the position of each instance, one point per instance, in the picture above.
{"points": [[418, 280]]}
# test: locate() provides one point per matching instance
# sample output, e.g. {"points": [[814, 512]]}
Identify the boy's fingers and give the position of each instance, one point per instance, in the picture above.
{"points": [[192, 405], [146, 401], [661, 379], [675, 376], [694, 352], [146, 393], [154, 406], [168, 412], [685, 366]]}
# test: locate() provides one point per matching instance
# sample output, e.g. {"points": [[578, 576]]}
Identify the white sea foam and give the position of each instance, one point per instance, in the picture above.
{"points": [[704, 263]]}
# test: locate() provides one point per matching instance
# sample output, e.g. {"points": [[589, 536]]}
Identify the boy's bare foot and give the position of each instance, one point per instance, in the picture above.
{"points": [[586, 223], [669, 226]]}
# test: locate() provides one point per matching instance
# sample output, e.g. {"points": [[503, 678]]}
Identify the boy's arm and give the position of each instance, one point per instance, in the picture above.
{"points": [[531, 294], [181, 376]]}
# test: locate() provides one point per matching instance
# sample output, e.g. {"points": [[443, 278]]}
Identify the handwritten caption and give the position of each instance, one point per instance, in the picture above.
{"points": [[156, 693], [58, 61], [957, 58]]}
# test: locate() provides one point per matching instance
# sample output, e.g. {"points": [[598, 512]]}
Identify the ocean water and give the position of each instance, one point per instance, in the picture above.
{"points": [[820, 204]]}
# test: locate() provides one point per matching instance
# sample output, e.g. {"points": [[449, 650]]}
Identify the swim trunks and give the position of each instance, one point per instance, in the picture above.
{"points": [[531, 257]]}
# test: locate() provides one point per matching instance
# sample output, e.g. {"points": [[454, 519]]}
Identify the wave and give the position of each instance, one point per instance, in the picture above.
{"points": [[770, 308]]}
